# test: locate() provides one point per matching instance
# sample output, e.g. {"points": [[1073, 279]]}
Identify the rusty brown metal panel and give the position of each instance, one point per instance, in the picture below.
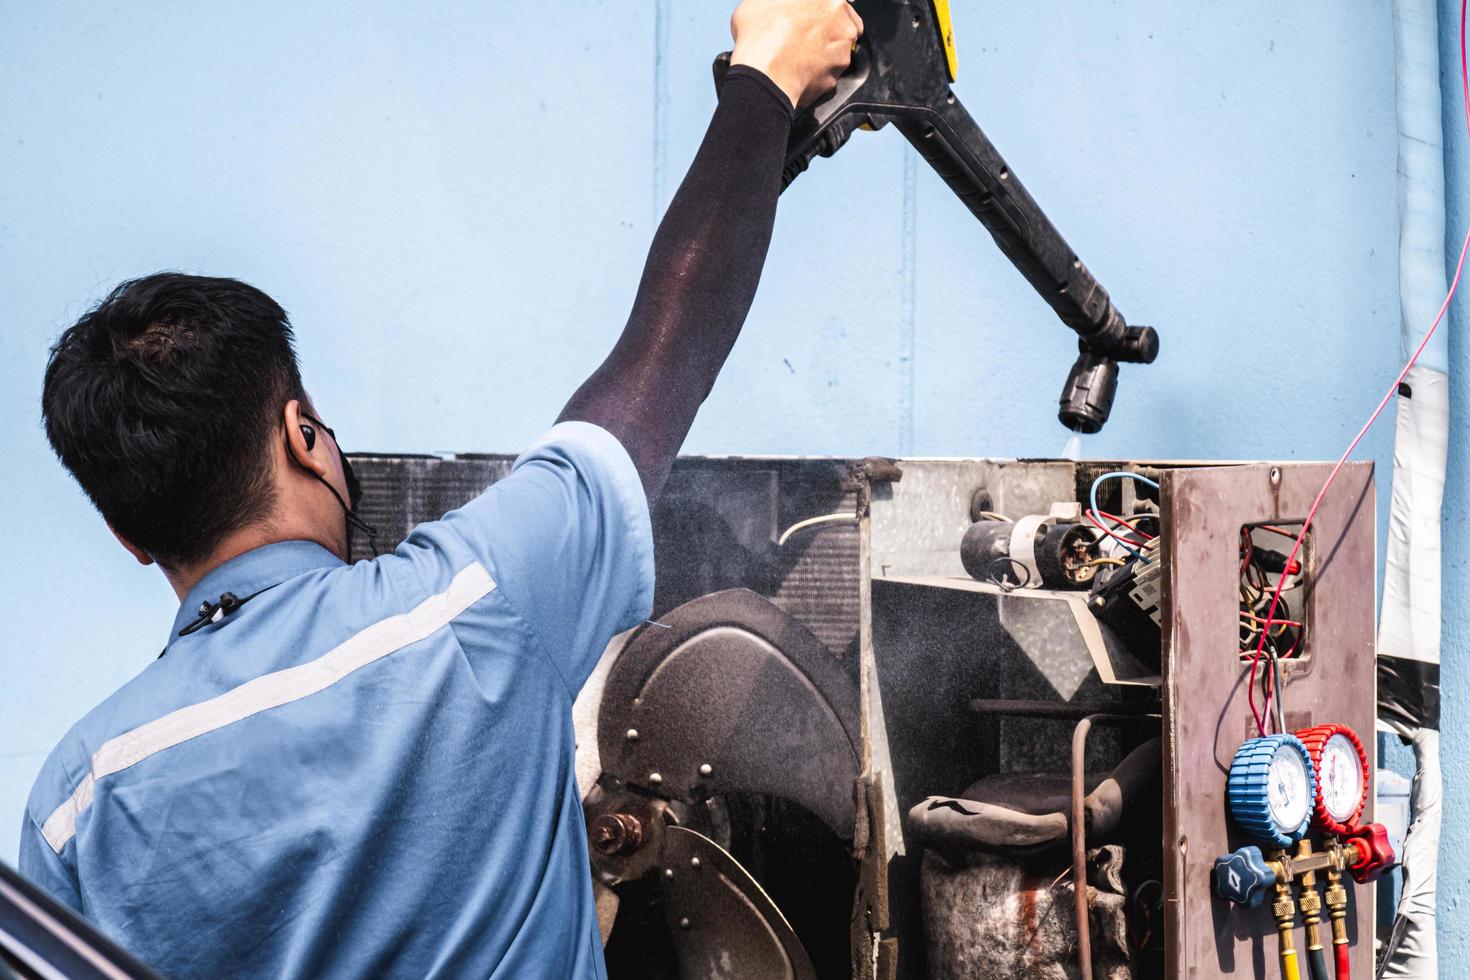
{"points": [[1205, 708]]}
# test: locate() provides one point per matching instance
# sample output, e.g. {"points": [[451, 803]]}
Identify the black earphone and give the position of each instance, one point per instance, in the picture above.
{"points": [[354, 489]]}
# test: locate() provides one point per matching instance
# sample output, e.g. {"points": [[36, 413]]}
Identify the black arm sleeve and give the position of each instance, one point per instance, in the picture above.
{"points": [[698, 283]]}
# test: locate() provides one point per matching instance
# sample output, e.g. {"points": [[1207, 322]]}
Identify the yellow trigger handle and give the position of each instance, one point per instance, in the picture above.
{"points": [[946, 34]]}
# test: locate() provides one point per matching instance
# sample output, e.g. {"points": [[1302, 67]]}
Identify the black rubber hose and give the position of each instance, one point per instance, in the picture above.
{"points": [[1317, 964]]}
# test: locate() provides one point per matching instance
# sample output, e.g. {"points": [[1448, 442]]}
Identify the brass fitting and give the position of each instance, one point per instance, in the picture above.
{"points": [[1310, 901], [1284, 908], [1337, 901]]}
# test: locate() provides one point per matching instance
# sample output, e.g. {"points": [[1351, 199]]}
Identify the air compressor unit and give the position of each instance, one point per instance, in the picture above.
{"points": [[983, 718]]}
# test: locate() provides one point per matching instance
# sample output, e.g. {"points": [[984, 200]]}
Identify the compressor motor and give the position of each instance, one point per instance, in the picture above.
{"points": [[1053, 550]]}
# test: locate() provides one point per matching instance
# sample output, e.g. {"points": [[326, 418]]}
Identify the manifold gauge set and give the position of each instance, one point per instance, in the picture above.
{"points": [[1281, 789]]}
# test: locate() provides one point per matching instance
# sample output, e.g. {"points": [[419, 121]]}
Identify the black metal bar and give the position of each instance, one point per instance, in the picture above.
{"points": [[43, 936], [1118, 711]]}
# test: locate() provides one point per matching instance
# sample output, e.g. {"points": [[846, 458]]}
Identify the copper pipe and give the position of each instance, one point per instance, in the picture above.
{"points": [[1079, 830], [1079, 845]]}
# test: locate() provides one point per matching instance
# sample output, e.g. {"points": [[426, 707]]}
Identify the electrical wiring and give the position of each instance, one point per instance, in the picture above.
{"points": [[1002, 582], [1276, 688], [1096, 515], [1145, 515], [1278, 622], [1254, 595], [812, 522], [1342, 461], [1272, 677], [1123, 522], [1146, 911], [1382, 404], [1128, 546]]}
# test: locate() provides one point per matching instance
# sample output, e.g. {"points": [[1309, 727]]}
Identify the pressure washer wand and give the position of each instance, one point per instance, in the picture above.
{"points": [[901, 72], [951, 141]]}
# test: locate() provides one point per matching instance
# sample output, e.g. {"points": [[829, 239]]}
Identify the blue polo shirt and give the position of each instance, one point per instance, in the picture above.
{"points": [[366, 770]]}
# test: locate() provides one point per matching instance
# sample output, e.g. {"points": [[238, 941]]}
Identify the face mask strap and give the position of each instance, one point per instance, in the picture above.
{"points": [[354, 492]]}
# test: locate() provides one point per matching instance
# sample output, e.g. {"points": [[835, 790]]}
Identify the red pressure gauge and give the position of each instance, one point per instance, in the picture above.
{"points": [[1342, 776]]}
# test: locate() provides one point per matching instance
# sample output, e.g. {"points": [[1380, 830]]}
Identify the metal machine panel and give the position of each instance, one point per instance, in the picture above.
{"points": [[1206, 715], [877, 582]]}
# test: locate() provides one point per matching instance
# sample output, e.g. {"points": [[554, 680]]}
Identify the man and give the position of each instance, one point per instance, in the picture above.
{"points": [[367, 769]]}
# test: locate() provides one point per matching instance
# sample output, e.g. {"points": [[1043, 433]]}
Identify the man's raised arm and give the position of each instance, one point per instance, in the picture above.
{"points": [[706, 258]]}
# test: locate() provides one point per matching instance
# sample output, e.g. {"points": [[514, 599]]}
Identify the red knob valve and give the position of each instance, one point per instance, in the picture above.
{"points": [[1375, 853]]}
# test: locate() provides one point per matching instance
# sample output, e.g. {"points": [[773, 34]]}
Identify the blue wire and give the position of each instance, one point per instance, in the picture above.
{"points": [[1092, 499]]}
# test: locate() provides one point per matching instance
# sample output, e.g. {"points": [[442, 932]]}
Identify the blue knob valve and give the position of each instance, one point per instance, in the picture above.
{"points": [[1244, 877]]}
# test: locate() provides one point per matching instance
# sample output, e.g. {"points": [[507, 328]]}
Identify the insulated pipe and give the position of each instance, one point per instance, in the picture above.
{"points": [[1409, 630]]}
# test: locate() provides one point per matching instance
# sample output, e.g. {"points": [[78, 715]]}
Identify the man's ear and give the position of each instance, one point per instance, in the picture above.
{"points": [[144, 558], [308, 453]]}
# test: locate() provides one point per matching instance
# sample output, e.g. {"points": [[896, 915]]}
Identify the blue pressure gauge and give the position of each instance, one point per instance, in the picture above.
{"points": [[1271, 789]]}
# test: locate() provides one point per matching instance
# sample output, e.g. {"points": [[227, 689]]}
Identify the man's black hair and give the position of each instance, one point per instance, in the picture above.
{"points": [[164, 402]]}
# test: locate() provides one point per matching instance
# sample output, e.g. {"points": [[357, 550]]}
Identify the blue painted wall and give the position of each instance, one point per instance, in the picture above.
{"points": [[453, 202], [1454, 869]]}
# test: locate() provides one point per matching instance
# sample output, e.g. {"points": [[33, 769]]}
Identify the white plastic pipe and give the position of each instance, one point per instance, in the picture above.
{"points": [[1409, 628]]}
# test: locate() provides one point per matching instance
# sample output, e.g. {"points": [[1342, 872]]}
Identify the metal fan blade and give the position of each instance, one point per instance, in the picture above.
{"points": [[730, 693], [606, 902], [723, 924]]}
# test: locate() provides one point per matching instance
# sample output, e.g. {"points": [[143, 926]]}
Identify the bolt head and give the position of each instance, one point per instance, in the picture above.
{"points": [[616, 833]]}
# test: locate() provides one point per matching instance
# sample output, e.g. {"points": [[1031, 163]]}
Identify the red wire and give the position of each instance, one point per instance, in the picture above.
{"points": [[1118, 520], [1387, 397], [1110, 533], [1279, 622]]}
